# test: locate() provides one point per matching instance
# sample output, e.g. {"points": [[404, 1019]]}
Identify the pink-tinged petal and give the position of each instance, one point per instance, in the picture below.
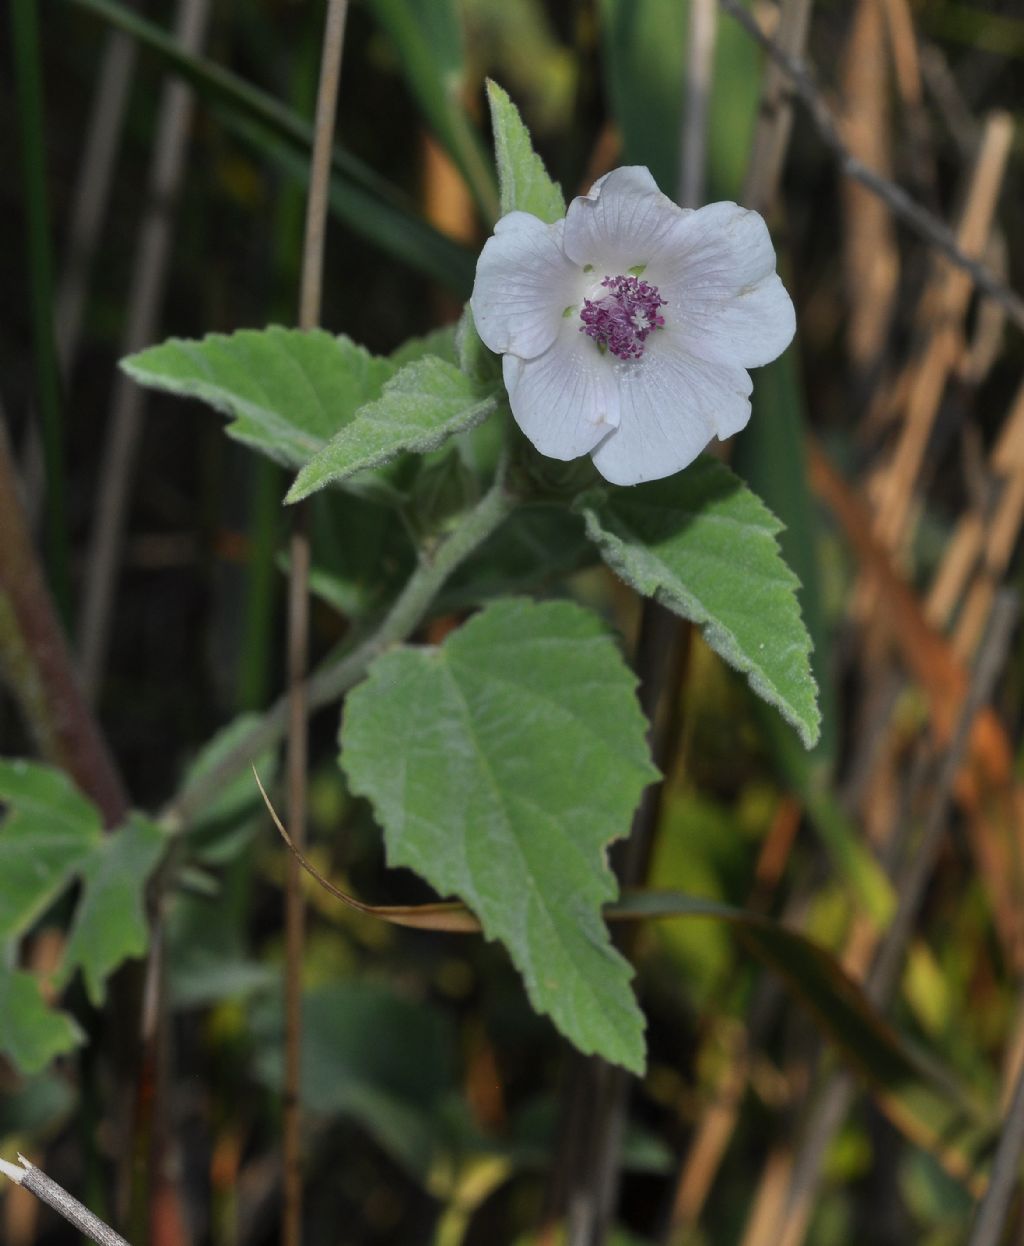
{"points": [[621, 223], [716, 272], [671, 404], [565, 400], [523, 285]]}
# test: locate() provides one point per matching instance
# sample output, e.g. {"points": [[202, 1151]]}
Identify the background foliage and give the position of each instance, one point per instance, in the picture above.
{"points": [[779, 1102]]}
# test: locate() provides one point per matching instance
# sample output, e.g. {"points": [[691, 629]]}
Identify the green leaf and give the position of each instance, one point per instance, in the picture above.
{"points": [[525, 184], [421, 407], [501, 765], [110, 921], [439, 342], [51, 837], [705, 546], [286, 391], [49, 831], [31, 1033], [771, 457]]}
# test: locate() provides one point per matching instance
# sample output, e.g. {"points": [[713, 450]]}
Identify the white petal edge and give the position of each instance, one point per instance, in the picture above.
{"points": [[716, 271], [621, 223], [565, 400], [671, 405], [523, 284]]}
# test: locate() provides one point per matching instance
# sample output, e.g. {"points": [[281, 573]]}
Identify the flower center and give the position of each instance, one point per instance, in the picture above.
{"points": [[622, 319]]}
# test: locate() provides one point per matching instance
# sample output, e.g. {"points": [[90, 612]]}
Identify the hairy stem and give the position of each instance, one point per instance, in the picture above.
{"points": [[335, 676]]}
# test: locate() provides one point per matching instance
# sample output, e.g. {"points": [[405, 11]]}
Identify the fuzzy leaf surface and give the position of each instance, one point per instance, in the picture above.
{"points": [[286, 391], [423, 405], [501, 765], [705, 546], [525, 183]]}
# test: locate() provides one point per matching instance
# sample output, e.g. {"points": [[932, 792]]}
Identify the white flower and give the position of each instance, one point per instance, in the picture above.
{"points": [[627, 328]]}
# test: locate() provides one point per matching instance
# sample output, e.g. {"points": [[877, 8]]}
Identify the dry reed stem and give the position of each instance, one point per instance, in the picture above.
{"points": [[770, 1200], [145, 297], [830, 1108], [932, 661], [870, 255], [711, 1138], [92, 190], [924, 223], [972, 537], [900, 480], [703, 25], [920, 151], [903, 46], [775, 115], [986, 343], [999, 531], [703, 1158], [310, 297]]}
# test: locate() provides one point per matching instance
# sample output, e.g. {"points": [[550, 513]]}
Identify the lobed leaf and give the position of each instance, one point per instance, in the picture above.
{"points": [[31, 1032], [705, 546], [500, 766], [49, 831], [50, 838], [110, 925]]}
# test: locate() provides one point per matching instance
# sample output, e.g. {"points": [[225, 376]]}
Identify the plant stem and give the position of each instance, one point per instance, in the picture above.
{"points": [[310, 298], [153, 253], [37, 662], [335, 676]]}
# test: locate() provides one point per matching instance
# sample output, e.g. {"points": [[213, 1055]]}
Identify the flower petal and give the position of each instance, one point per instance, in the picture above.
{"points": [[621, 223], [716, 271], [523, 284], [671, 404], [565, 400]]}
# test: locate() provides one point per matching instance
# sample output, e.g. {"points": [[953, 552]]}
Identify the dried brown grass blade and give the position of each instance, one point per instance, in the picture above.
{"points": [[897, 486], [452, 917], [985, 788]]}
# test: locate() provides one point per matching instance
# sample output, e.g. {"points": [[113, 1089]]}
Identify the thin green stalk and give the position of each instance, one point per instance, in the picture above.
{"points": [[334, 677], [28, 82]]}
